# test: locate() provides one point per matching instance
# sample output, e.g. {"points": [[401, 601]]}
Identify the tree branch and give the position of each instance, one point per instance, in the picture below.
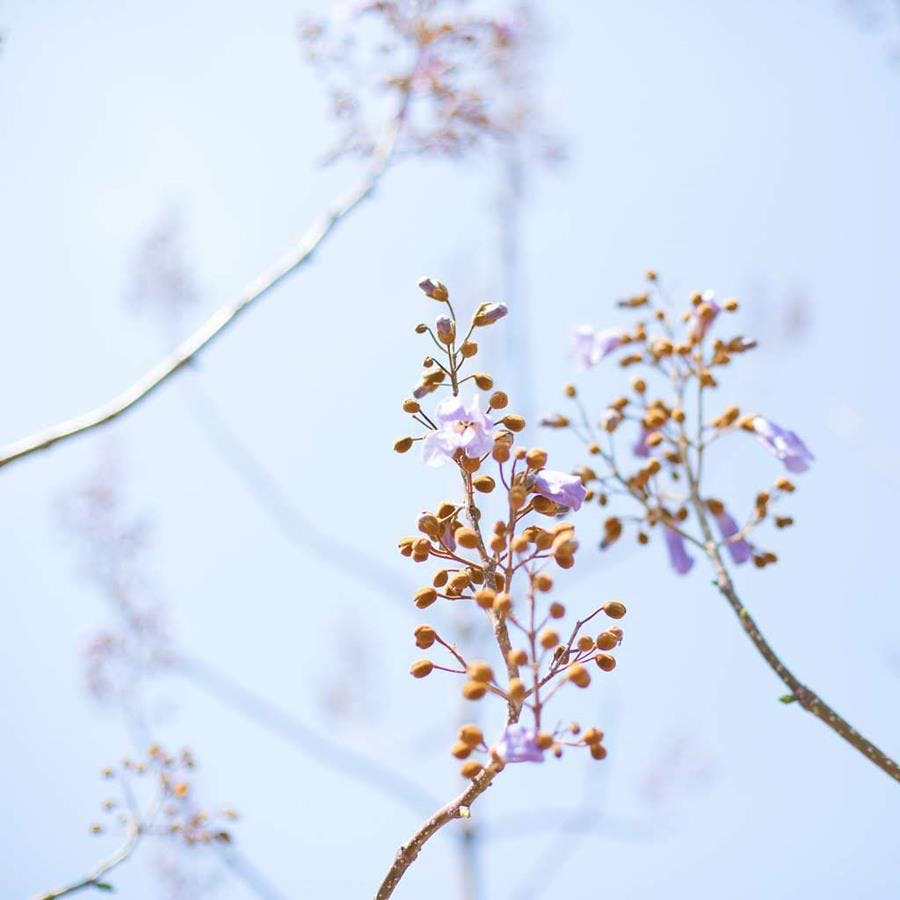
{"points": [[224, 316]]}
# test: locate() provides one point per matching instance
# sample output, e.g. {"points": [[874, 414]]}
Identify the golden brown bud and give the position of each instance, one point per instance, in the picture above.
{"points": [[466, 537], [569, 391], [424, 597], [485, 598], [421, 668], [783, 521], [783, 484], [638, 385], [479, 670], [536, 458], [605, 661], [425, 636], [517, 657], [516, 689], [440, 578], [503, 604], [592, 736], [471, 735], [433, 288], [429, 524], [484, 484], [614, 609], [542, 582], [411, 406], [498, 400], [513, 422], [471, 769], [483, 380], [730, 305], [401, 445], [607, 640], [517, 496], [468, 349], [598, 751], [557, 610], [579, 675], [548, 638], [585, 643], [474, 690], [544, 740], [461, 750]]}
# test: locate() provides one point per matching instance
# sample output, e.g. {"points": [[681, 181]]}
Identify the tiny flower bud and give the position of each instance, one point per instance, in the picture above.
{"points": [[557, 610], [569, 391], [598, 751], [517, 496], [536, 458], [498, 400], [513, 422], [421, 668], [485, 598], [544, 740], [638, 385], [605, 661], [480, 671], [516, 689], [440, 578], [548, 638], [429, 524], [468, 349], [502, 604], [730, 305], [484, 484], [585, 643], [607, 640], [488, 313], [461, 750], [446, 329], [783, 484], [471, 735], [425, 636], [517, 657], [433, 288], [471, 769], [411, 406], [401, 445], [614, 609], [466, 537], [579, 675], [474, 690], [592, 736], [542, 582], [483, 380], [424, 597]]}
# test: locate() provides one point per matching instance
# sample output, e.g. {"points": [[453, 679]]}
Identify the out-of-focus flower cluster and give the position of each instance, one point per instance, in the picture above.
{"points": [[679, 359], [496, 548], [136, 644], [156, 796], [454, 75]]}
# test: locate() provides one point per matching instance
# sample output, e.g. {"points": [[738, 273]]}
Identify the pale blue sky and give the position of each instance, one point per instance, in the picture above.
{"points": [[747, 147]]}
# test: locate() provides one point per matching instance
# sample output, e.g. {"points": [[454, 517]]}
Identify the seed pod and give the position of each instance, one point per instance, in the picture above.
{"points": [[471, 735], [466, 537], [424, 597], [483, 380], [513, 422], [605, 661], [498, 400], [614, 609], [579, 676], [484, 484], [425, 636], [474, 690], [548, 638], [401, 445], [421, 668], [479, 670], [471, 769]]}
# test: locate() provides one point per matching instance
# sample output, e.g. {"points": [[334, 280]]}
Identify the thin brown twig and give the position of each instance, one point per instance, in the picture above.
{"points": [[225, 315]]}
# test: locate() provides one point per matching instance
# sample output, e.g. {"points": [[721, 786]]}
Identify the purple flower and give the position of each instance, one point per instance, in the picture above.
{"points": [[518, 744], [567, 490], [590, 346], [460, 427], [740, 550], [642, 448], [488, 313], [678, 555], [445, 328], [783, 444]]}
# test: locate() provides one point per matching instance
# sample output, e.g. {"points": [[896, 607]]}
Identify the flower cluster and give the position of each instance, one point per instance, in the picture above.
{"points": [[171, 810], [448, 70], [681, 359], [502, 570]]}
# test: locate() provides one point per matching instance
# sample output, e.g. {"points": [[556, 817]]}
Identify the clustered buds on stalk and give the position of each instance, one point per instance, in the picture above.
{"points": [[681, 360], [450, 68], [172, 811], [503, 570]]}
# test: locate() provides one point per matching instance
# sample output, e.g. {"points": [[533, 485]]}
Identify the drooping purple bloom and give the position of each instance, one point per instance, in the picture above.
{"points": [[488, 313], [678, 555], [459, 427], [518, 744], [783, 444], [740, 550], [641, 448], [567, 490], [590, 346]]}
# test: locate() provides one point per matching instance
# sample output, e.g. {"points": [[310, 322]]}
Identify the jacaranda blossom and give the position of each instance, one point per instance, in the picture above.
{"points": [[488, 313], [783, 444], [678, 555], [518, 744], [590, 346], [567, 490], [459, 427], [740, 550]]}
